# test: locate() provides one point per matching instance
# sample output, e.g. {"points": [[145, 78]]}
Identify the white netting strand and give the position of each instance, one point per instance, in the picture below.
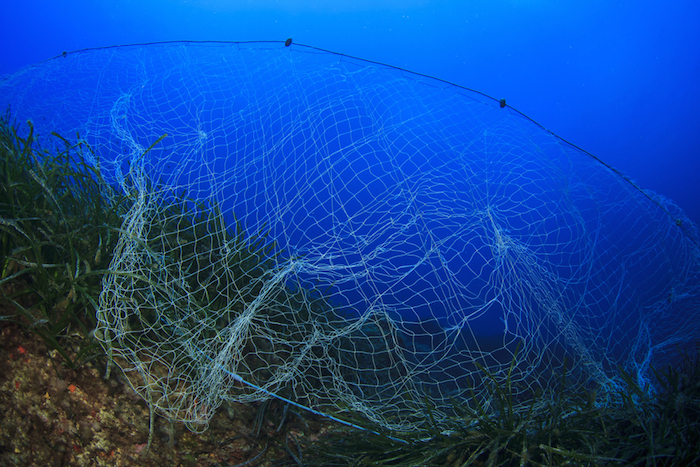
{"points": [[354, 237]]}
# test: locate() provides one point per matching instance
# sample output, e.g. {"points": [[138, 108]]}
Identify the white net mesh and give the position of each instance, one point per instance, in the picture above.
{"points": [[354, 237]]}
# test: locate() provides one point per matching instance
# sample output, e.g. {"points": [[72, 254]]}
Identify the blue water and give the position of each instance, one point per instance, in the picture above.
{"points": [[618, 79], [593, 76]]}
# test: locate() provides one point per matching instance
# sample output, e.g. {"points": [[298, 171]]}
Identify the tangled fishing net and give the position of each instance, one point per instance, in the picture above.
{"points": [[355, 238]]}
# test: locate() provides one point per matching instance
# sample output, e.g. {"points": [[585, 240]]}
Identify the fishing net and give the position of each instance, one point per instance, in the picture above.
{"points": [[355, 238]]}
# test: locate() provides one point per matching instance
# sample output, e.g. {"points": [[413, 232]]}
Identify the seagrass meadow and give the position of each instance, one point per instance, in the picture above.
{"points": [[60, 221]]}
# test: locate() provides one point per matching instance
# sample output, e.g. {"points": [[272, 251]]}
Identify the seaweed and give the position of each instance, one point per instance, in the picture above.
{"points": [[59, 222]]}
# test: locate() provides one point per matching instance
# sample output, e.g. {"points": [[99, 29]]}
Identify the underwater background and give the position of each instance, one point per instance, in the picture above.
{"points": [[267, 226], [618, 79]]}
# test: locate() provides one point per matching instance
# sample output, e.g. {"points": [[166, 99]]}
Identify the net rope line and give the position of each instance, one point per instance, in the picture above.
{"points": [[354, 238], [678, 221]]}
